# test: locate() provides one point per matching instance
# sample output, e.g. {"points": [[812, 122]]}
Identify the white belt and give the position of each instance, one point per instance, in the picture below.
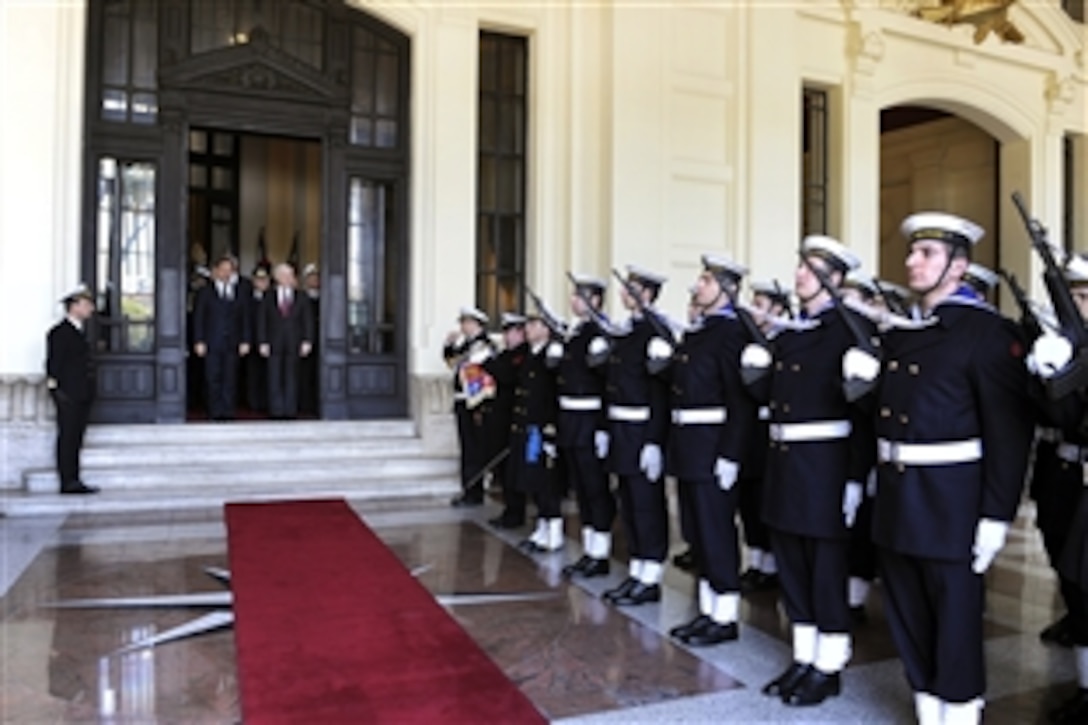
{"points": [[569, 403], [1070, 452], [628, 414], [823, 430], [929, 454], [699, 416]]}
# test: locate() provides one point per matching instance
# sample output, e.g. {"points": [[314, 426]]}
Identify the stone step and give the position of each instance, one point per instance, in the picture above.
{"points": [[294, 432], [254, 473], [209, 453], [178, 498]]}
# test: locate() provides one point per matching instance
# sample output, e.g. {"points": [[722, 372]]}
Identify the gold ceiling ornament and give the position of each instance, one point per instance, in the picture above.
{"points": [[988, 16]]}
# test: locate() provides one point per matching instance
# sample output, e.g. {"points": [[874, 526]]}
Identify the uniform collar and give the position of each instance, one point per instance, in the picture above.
{"points": [[964, 296], [74, 322]]}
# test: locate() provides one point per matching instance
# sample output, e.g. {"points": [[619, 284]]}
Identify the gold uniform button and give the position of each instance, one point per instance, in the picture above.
{"points": [[885, 413], [560, 380], [893, 365], [900, 467], [785, 409], [785, 448], [771, 405], [904, 419], [796, 367], [778, 365], [914, 369]]}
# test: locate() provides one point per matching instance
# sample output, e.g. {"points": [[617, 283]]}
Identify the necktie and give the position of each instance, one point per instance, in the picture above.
{"points": [[285, 303]]}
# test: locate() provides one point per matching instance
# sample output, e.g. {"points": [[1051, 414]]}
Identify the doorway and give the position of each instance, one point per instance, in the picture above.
{"points": [[257, 199]]}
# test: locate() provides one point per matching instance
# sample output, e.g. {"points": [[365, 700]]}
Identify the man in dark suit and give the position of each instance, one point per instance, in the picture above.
{"points": [[221, 334], [70, 379], [285, 334], [256, 366], [309, 392]]}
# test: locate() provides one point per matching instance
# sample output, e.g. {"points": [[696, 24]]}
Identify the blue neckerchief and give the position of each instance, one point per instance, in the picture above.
{"points": [[725, 310], [964, 295]]}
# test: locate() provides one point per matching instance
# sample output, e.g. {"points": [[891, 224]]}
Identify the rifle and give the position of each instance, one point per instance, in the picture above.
{"points": [[479, 475], [852, 388], [749, 375], [1029, 321], [599, 317], [660, 328], [892, 300], [1075, 375], [557, 326], [782, 293]]}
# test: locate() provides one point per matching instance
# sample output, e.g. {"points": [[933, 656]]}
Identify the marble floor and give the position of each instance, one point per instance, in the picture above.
{"points": [[579, 660]]}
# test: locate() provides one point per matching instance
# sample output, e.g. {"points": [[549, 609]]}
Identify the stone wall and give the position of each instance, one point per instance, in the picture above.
{"points": [[26, 427]]}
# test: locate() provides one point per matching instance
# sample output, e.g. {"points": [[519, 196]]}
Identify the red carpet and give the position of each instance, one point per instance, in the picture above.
{"points": [[331, 628]]}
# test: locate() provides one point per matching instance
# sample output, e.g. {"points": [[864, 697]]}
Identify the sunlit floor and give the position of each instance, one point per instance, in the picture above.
{"points": [[577, 658]]}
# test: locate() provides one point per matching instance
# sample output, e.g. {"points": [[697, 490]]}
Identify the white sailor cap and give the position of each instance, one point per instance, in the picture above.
{"points": [[645, 277], [588, 281], [79, 292], [831, 251], [473, 313], [1076, 270], [854, 278], [942, 227], [719, 264], [981, 278], [772, 290], [512, 319], [309, 269]]}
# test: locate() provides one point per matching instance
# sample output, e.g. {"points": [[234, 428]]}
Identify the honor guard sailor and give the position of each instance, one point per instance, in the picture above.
{"points": [[712, 418], [981, 279], [953, 427], [580, 385], [465, 352], [638, 422], [70, 379], [504, 367], [769, 300], [820, 451], [534, 456]]}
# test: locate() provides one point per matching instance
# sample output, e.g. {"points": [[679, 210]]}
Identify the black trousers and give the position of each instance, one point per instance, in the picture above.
{"points": [[645, 517], [714, 524], [756, 534], [548, 501], [308, 389], [471, 436], [1077, 602], [863, 555], [588, 478], [256, 369], [221, 379], [71, 426], [685, 508], [283, 384], [812, 577], [934, 610], [513, 498]]}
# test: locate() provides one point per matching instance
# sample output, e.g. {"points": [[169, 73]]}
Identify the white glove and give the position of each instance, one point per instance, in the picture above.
{"points": [[479, 357], [726, 472], [658, 349], [600, 442], [857, 363], [550, 450], [989, 538], [597, 346], [851, 499], [649, 461], [555, 350], [1049, 354], [755, 356]]}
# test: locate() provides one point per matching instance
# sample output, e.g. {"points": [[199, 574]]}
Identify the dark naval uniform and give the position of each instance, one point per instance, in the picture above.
{"points": [[954, 428], [638, 416], [471, 429], [712, 417], [580, 388], [499, 413], [818, 444], [70, 372]]}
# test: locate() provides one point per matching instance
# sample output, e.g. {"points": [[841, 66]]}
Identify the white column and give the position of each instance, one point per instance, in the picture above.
{"points": [[858, 197]]}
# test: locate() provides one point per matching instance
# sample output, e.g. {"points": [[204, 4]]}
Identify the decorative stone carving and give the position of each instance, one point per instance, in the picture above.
{"points": [[867, 48], [1060, 92], [988, 16]]}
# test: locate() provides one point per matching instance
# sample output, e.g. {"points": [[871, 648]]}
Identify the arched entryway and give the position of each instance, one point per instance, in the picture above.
{"points": [[188, 102]]}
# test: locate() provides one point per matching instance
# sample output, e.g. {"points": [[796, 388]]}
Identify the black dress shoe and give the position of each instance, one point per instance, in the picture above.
{"points": [[529, 546], [685, 560], [79, 488], [814, 688], [576, 568], [684, 631], [620, 591], [1059, 633], [784, 683], [467, 499], [1073, 710], [595, 567], [639, 594], [754, 580], [502, 522], [712, 634]]}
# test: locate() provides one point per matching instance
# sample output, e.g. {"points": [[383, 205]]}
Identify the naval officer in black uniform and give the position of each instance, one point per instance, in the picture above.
{"points": [[580, 385], [638, 422], [954, 428], [712, 420], [499, 413], [465, 352], [815, 468], [70, 379]]}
